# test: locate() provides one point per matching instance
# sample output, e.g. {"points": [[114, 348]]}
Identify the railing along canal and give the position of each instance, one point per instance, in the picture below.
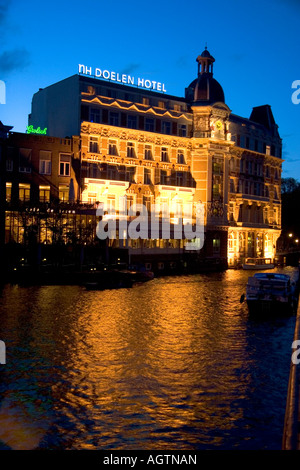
{"points": [[291, 432]]}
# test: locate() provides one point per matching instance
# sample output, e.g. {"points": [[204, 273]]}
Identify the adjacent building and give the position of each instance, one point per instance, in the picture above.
{"points": [[107, 140]]}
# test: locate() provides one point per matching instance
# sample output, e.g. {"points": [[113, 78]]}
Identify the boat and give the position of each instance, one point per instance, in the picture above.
{"points": [[258, 263], [109, 279], [271, 293], [138, 276]]}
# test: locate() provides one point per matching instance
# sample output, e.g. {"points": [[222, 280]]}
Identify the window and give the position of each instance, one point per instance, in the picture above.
{"points": [[266, 191], [216, 245], [161, 104], [232, 188], [63, 193], [145, 101], [111, 172], [9, 164], [148, 152], [247, 186], [180, 157], [44, 193], [231, 213], [24, 192], [149, 125], [163, 177], [129, 202], [257, 189], [93, 145], [164, 154], [92, 197], [132, 122], [64, 165], [130, 150], [130, 174], [216, 190], [25, 160], [95, 115], [216, 168], [147, 203], [111, 204], [8, 192], [112, 147], [45, 162], [182, 130], [147, 176], [114, 119], [111, 93], [179, 178], [177, 107], [166, 127]]}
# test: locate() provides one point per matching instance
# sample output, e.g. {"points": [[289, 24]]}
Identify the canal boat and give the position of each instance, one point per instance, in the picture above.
{"points": [[258, 263], [271, 293]]}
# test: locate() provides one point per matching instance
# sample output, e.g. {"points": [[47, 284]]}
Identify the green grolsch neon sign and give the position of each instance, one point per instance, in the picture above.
{"points": [[31, 130]]}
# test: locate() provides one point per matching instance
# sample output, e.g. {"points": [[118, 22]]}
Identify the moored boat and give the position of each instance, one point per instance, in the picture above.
{"points": [[258, 263], [271, 293]]}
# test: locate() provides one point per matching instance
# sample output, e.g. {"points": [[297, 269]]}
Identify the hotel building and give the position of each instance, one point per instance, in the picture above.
{"points": [[112, 139]]}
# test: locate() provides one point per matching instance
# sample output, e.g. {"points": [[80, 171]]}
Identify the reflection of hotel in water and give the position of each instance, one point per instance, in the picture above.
{"points": [[153, 148]]}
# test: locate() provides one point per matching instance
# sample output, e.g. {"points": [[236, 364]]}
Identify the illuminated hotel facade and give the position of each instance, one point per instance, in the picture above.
{"points": [[155, 148]]}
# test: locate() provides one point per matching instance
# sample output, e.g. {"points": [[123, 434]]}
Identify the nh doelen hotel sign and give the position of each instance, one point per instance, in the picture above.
{"points": [[122, 78]]}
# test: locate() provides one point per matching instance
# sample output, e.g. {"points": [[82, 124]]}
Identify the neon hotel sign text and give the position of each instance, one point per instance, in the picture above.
{"points": [[122, 78]]}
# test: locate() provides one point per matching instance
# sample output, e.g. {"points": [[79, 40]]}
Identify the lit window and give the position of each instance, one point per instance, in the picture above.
{"points": [[64, 165], [216, 168], [63, 193], [44, 193], [8, 192], [216, 245], [24, 192], [111, 204], [92, 197]]}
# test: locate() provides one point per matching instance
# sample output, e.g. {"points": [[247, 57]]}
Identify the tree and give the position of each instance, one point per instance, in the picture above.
{"points": [[289, 185]]}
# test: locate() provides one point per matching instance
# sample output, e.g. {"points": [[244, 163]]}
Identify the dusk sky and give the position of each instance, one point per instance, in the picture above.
{"points": [[256, 46]]}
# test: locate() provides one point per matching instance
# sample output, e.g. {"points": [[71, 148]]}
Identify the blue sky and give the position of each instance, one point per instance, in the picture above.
{"points": [[256, 46]]}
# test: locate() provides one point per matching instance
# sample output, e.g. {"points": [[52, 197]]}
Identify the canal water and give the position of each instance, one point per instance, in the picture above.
{"points": [[173, 364]]}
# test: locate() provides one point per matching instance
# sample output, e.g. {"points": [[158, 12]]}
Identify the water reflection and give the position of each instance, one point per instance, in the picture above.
{"points": [[172, 364]]}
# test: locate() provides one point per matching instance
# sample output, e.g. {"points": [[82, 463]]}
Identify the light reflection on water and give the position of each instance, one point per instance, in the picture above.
{"points": [[175, 363]]}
